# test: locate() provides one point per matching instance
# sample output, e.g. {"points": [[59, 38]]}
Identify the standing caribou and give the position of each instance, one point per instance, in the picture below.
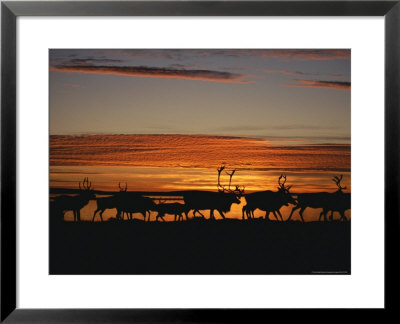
{"points": [[337, 201], [209, 200], [268, 201], [75, 203]]}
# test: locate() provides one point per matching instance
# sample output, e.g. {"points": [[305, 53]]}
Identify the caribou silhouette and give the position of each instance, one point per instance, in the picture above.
{"points": [[268, 201], [134, 203], [110, 202], [176, 209], [75, 203], [337, 201], [309, 200], [221, 200]]}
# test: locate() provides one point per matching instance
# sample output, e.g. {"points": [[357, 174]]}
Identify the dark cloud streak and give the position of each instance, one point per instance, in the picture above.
{"points": [[286, 72], [153, 72], [340, 85]]}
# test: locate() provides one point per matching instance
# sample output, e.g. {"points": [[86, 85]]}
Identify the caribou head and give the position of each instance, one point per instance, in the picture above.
{"points": [[284, 190], [86, 189], [237, 192]]}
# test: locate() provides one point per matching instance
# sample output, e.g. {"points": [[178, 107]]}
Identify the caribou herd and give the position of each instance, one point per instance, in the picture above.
{"points": [[196, 201]]}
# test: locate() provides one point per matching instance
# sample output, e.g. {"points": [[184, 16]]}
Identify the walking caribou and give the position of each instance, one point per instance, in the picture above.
{"points": [[176, 209], [75, 203], [135, 203], [220, 201], [111, 202], [125, 203], [337, 201], [268, 201]]}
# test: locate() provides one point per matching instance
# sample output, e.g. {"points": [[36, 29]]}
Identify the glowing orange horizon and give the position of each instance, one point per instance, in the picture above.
{"points": [[176, 162]]}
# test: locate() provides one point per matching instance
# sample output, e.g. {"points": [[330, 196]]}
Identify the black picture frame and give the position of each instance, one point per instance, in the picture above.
{"points": [[10, 10]]}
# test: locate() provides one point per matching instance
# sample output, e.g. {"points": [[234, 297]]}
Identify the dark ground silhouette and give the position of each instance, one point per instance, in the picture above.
{"points": [[199, 246]]}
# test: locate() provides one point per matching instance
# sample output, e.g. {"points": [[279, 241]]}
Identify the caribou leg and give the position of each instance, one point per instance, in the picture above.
{"points": [[221, 213], [301, 213], [94, 215], [101, 215], [77, 216], [325, 213], [212, 214], [267, 215], [118, 215], [291, 213], [248, 214], [245, 209], [273, 212], [198, 211], [280, 215], [342, 216]]}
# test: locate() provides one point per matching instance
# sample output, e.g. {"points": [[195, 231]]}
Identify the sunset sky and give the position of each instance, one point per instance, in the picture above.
{"points": [[288, 96], [164, 120]]}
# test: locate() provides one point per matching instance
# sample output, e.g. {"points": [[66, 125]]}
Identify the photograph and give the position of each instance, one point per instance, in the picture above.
{"points": [[200, 161]]}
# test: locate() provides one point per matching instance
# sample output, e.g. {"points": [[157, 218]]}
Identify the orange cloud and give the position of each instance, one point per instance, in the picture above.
{"points": [[152, 72]]}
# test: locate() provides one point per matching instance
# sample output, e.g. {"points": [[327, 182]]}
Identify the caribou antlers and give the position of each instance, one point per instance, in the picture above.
{"points": [[282, 185], [221, 188], [220, 169], [86, 185], [337, 180], [230, 177]]}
